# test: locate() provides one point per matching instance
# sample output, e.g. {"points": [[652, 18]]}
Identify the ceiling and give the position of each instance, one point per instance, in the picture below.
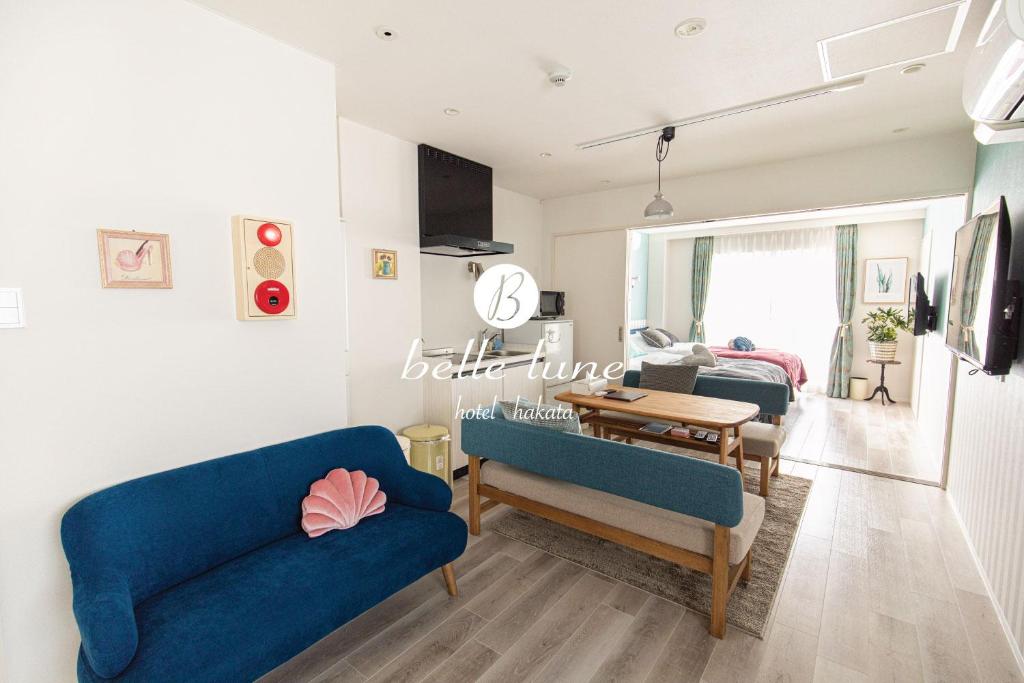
{"points": [[490, 60]]}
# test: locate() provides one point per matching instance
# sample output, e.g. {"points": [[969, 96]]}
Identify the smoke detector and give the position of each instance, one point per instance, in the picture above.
{"points": [[691, 27], [560, 77]]}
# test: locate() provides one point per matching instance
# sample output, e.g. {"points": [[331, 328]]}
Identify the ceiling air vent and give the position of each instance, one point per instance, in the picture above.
{"points": [[897, 41]]}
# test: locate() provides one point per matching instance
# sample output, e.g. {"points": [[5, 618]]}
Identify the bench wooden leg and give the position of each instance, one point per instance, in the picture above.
{"points": [[739, 446], [449, 580], [719, 581], [474, 495], [766, 468], [748, 566]]}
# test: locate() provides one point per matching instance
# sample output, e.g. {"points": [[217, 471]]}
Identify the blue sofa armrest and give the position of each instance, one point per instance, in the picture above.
{"points": [[105, 614], [401, 482], [771, 397], [690, 486]]}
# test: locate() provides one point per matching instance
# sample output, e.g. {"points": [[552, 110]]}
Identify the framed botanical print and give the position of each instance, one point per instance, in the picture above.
{"points": [[134, 260], [885, 280], [385, 264]]}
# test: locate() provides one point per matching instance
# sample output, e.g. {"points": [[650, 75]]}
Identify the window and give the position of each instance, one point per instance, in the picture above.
{"points": [[778, 289]]}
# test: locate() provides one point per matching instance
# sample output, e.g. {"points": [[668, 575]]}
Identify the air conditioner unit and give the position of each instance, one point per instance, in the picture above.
{"points": [[994, 81]]}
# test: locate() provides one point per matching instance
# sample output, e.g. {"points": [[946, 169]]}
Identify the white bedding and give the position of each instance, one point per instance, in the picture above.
{"points": [[642, 351], [678, 349]]}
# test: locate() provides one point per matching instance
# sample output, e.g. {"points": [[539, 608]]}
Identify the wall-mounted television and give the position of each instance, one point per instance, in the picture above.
{"points": [[984, 305], [924, 313]]}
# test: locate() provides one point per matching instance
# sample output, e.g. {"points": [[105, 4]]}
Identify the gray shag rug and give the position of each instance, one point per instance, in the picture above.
{"points": [[750, 604]]}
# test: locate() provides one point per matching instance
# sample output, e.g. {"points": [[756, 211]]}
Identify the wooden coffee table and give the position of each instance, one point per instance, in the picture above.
{"points": [[712, 414]]}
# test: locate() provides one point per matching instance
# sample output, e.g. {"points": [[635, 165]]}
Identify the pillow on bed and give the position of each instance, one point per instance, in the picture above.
{"points": [[655, 338], [673, 339], [701, 356], [678, 378]]}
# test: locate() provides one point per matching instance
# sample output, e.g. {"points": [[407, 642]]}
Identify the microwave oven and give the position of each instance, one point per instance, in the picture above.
{"points": [[552, 304]]}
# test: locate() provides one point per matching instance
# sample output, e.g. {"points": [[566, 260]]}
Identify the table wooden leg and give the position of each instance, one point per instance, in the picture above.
{"points": [[723, 447], [739, 447]]}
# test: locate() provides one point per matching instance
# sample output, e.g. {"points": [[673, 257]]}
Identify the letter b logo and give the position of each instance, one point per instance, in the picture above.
{"points": [[505, 296]]}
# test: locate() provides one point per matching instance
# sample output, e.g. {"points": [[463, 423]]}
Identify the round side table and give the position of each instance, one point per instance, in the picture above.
{"points": [[881, 389]]}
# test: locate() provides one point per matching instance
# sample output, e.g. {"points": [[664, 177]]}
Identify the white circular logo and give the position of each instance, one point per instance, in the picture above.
{"points": [[505, 296]]}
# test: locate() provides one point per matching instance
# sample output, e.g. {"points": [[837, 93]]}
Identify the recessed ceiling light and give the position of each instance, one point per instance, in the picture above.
{"points": [[691, 27], [912, 69], [385, 33], [545, 155], [900, 130], [451, 111]]}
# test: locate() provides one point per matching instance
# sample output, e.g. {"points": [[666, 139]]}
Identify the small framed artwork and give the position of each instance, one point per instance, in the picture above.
{"points": [[885, 280], [134, 260], [385, 264]]}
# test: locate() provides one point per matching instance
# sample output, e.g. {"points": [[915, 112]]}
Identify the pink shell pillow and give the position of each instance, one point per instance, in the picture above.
{"points": [[339, 501]]}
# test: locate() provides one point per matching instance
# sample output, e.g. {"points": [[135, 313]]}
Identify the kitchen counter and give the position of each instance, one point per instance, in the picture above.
{"points": [[464, 367]]}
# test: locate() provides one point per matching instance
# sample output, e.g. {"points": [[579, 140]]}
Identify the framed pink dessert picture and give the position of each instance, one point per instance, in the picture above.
{"points": [[134, 260]]}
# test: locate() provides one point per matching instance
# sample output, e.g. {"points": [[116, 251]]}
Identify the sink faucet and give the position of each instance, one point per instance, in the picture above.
{"points": [[484, 343]]}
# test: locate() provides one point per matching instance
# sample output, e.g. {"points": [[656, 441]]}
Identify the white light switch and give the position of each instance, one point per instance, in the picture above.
{"points": [[12, 311]]}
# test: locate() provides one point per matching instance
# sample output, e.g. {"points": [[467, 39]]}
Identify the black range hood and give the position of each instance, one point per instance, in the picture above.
{"points": [[456, 206]]}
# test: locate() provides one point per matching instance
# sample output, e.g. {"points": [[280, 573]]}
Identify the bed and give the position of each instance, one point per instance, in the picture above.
{"points": [[790, 362], [761, 370]]}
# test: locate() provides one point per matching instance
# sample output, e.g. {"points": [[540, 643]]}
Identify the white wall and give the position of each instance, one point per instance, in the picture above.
{"points": [[678, 282], [380, 201], [920, 167], [986, 458], [885, 240], [155, 116], [449, 318]]}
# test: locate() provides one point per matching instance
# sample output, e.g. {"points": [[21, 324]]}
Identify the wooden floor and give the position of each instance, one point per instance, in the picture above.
{"points": [[881, 586], [861, 434]]}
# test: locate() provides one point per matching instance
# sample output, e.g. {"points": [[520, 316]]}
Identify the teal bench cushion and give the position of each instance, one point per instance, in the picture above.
{"points": [[690, 486]]}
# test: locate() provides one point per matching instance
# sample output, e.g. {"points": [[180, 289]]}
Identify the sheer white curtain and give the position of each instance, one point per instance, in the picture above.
{"points": [[777, 288]]}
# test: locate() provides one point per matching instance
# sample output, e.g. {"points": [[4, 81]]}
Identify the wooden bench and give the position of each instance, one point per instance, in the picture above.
{"points": [[688, 511]]}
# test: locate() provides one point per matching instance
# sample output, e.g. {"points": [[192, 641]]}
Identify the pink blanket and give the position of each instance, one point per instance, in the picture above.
{"points": [[790, 362]]}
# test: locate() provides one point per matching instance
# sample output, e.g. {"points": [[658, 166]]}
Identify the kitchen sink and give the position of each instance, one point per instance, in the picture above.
{"points": [[504, 353]]}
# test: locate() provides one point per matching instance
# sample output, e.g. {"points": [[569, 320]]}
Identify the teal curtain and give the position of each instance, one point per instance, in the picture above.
{"points": [[841, 358], [703, 249], [980, 242]]}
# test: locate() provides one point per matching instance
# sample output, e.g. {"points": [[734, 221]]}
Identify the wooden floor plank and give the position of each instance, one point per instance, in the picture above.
{"points": [[988, 643], [687, 652], [583, 653], [468, 664], [791, 656], [803, 592], [627, 598], [402, 634], [944, 645], [510, 587], [537, 646], [635, 654], [502, 633], [432, 650]]}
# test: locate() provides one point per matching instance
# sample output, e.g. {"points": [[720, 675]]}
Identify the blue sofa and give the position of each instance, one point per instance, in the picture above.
{"points": [[203, 573], [619, 492]]}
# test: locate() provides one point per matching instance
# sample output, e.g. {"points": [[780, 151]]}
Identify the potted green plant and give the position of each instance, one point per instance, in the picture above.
{"points": [[883, 325]]}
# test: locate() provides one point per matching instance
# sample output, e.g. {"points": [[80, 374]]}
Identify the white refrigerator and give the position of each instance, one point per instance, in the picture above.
{"points": [[557, 351]]}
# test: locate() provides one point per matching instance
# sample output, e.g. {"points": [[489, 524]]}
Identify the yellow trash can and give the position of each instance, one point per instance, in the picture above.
{"points": [[429, 450], [858, 388]]}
